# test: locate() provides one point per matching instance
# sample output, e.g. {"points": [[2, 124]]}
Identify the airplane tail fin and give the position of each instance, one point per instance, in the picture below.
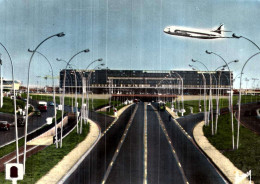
{"points": [[220, 29]]}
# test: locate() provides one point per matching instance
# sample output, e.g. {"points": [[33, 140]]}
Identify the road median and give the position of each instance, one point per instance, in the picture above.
{"points": [[223, 163], [72, 159]]}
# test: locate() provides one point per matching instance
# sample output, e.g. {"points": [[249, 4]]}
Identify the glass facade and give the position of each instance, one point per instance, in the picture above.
{"points": [[102, 80]]}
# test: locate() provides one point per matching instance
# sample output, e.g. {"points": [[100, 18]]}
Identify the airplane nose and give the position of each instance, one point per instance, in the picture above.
{"points": [[166, 30]]}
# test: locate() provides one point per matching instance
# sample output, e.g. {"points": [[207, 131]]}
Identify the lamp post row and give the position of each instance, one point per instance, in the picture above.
{"points": [[28, 89]]}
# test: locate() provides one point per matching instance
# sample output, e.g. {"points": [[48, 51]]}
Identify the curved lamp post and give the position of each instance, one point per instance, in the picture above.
{"points": [[63, 92], [70, 78], [231, 93], [205, 92], [182, 110], [15, 115], [235, 36], [239, 101], [210, 94], [88, 85], [28, 81], [54, 100]]}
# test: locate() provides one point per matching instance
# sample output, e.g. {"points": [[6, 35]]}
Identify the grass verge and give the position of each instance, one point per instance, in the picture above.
{"points": [[12, 147], [69, 100], [8, 105], [247, 157], [40, 164]]}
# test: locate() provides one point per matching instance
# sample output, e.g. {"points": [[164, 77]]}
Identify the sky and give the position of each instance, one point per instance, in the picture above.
{"points": [[127, 34]]}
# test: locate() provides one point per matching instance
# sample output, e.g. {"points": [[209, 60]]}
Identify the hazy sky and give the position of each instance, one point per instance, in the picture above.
{"points": [[127, 34]]}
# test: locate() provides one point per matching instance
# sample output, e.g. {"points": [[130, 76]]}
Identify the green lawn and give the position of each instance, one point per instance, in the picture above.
{"points": [[222, 103], [247, 157], [69, 100], [8, 105], [39, 164], [12, 147]]}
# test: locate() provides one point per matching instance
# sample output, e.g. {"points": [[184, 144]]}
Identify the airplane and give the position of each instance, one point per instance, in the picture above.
{"points": [[196, 33]]}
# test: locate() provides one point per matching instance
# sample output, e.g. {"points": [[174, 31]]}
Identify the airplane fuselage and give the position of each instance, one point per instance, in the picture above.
{"points": [[193, 33]]}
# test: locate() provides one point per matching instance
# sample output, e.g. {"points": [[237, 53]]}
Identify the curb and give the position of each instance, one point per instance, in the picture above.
{"points": [[62, 177], [75, 166], [225, 166]]}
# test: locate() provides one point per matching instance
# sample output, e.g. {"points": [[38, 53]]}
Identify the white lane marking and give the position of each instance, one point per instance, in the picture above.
{"points": [[115, 120], [145, 143], [119, 146], [21, 154], [170, 143]]}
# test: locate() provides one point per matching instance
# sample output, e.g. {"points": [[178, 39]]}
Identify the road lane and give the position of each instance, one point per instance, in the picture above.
{"points": [[93, 168], [128, 166], [162, 165], [196, 166]]}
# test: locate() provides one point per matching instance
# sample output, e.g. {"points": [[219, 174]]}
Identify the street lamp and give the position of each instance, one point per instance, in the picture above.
{"points": [[210, 95], [63, 92], [182, 110], [235, 36], [1, 83], [28, 81], [87, 89], [231, 92], [15, 114], [54, 100], [239, 104], [204, 82]]}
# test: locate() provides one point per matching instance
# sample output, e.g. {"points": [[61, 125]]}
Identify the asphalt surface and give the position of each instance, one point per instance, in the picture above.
{"points": [[128, 166], [34, 122], [162, 166], [196, 166], [93, 168]]}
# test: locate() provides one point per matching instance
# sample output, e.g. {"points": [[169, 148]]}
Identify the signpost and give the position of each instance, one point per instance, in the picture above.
{"points": [[14, 172]]}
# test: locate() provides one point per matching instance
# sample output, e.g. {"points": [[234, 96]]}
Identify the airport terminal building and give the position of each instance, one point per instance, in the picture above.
{"points": [[106, 81]]}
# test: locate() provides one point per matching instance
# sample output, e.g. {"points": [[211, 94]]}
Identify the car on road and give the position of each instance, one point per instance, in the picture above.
{"points": [[42, 106], [21, 121], [4, 125], [37, 113], [51, 104]]}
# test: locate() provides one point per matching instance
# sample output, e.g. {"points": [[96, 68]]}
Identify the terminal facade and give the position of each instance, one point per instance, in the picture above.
{"points": [[106, 81]]}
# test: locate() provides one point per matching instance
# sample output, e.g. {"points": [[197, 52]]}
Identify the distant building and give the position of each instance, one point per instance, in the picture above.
{"points": [[8, 84], [144, 81]]}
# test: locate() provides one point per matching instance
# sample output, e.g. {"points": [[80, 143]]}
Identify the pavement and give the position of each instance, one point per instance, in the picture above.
{"points": [[143, 146], [223, 163]]}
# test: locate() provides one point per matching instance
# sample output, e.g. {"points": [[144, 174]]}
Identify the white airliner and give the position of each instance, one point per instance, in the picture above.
{"points": [[196, 33]]}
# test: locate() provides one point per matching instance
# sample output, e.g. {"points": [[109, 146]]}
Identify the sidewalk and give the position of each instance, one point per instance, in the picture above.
{"points": [[65, 165], [223, 163]]}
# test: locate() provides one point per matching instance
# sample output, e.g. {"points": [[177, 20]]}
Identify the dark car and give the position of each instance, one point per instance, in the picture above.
{"points": [[21, 121], [51, 104], [37, 113], [4, 125]]}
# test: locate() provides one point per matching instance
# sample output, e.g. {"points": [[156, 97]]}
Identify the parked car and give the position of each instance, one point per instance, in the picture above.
{"points": [[4, 125]]}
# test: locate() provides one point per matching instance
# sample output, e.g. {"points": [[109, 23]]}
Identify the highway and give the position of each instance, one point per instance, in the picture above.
{"points": [[34, 122], [143, 146]]}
